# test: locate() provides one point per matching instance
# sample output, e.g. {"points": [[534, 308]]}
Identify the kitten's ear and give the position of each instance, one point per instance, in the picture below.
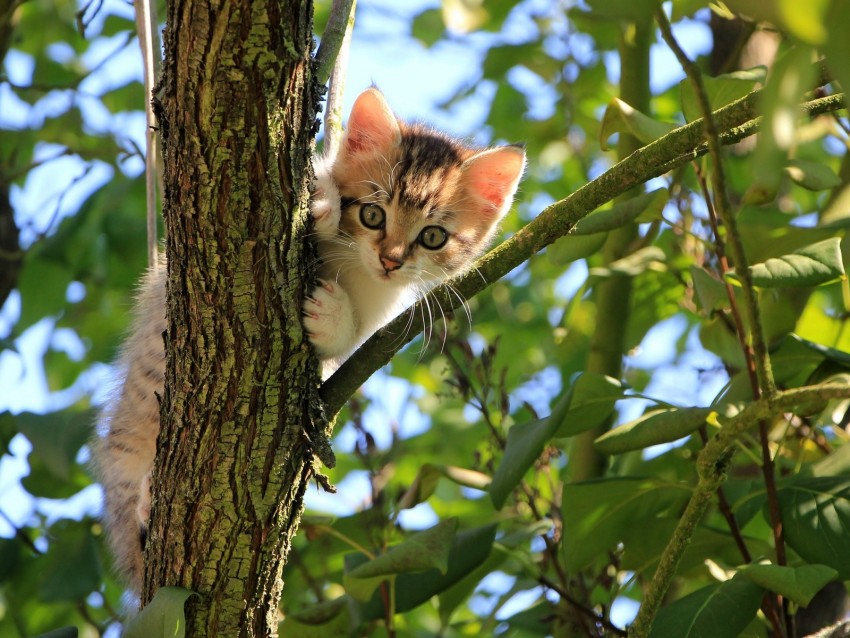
{"points": [[371, 125], [491, 177]]}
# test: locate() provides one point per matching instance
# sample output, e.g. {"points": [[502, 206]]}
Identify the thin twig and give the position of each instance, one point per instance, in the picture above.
{"points": [[563, 593], [148, 29], [336, 83]]}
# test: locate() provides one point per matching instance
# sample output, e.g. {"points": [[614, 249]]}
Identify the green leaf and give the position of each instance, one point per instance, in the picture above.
{"points": [[710, 290], [620, 214], [163, 617], [428, 27], [790, 77], [62, 632], [10, 557], [816, 520], [537, 620], [643, 259], [604, 512], [425, 550], [569, 248], [653, 428], [590, 402], [812, 176], [57, 437], [836, 464], [622, 118], [42, 285], [799, 584], [525, 444], [70, 570], [812, 265], [330, 619], [428, 476], [721, 90], [722, 610], [422, 488], [470, 549]]}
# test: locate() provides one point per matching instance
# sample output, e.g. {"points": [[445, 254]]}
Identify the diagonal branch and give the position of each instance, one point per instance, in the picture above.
{"points": [[736, 121]]}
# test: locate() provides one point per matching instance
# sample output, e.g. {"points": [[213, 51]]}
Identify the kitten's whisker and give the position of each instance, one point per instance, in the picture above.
{"points": [[442, 313]]}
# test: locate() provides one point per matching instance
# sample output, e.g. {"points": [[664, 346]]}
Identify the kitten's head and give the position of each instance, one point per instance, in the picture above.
{"points": [[419, 205]]}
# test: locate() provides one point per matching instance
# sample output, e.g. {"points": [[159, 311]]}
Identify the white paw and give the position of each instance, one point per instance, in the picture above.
{"points": [[143, 507], [325, 199], [329, 320]]}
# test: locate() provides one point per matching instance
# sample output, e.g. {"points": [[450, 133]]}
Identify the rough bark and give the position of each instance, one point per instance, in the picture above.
{"points": [[237, 117]]}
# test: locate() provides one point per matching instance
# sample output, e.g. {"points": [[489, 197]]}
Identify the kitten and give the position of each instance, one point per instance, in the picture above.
{"points": [[397, 211]]}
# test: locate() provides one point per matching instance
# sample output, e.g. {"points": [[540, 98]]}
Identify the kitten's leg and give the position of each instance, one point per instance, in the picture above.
{"points": [[329, 320]]}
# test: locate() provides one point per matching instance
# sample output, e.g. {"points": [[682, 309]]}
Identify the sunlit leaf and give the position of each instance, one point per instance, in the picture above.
{"points": [[653, 428], [646, 205], [721, 90], [816, 520], [162, 616], [812, 265], [633, 265], [622, 118], [799, 584], [813, 176]]}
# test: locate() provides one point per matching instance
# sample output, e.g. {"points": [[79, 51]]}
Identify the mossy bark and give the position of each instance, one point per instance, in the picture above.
{"points": [[237, 117]]}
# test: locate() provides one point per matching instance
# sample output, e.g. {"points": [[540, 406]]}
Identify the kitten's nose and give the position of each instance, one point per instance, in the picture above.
{"points": [[390, 264]]}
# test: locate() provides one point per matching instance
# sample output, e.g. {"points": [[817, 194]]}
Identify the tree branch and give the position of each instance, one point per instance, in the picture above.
{"points": [[336, 83], [341, 16], [737, 121], [148, 30]]}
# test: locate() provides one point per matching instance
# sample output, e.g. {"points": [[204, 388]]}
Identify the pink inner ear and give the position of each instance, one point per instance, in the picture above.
{"points": [[371, 125], [493, 175]]}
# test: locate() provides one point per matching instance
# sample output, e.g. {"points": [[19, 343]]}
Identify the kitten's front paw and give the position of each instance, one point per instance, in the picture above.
{"points": [[325, 200], [329, 320]]}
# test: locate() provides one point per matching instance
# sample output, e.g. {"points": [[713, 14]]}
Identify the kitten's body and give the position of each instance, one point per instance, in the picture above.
{"points": [[400, 209]]}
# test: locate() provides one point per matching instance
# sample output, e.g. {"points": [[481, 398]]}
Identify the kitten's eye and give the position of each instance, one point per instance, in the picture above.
{"points": [[433, 237], [372, 216]]}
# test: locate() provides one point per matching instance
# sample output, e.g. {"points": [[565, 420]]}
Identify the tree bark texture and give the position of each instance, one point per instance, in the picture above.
{"points": [[238, 114]]}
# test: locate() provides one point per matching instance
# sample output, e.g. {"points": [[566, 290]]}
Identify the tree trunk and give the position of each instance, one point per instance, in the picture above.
{"points": [[237, 115]]}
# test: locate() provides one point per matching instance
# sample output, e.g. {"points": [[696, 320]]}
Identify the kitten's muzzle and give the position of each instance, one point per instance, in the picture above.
{"points": [[390, 264]]}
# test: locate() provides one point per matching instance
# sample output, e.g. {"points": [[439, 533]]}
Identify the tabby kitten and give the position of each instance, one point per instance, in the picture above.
{"points": [[398, 210]]}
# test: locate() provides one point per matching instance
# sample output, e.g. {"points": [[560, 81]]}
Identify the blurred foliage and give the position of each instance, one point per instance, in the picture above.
{"points": [[465, 523]]}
